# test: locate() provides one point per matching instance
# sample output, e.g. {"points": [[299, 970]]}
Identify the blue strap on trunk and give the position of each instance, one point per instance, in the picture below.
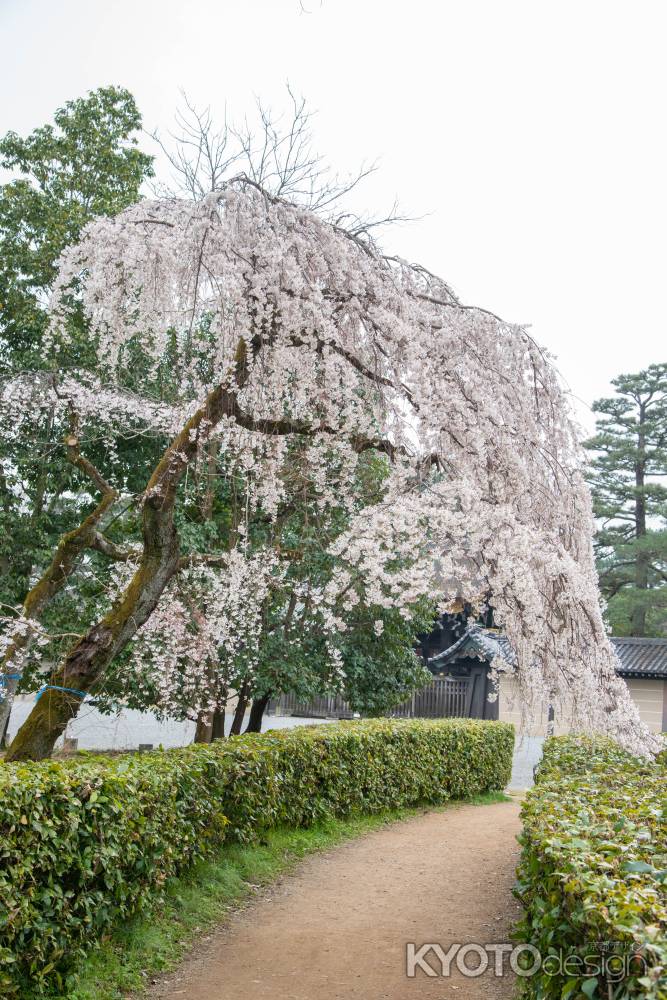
{"points": [[56, 687], [3, 682]]}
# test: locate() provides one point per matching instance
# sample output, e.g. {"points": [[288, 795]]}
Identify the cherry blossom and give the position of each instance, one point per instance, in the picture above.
{"points": [[291, 329]]}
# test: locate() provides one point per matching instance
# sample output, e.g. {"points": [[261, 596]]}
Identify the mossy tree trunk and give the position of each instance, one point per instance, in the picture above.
{"points": [[56, 575], [84, 665]]}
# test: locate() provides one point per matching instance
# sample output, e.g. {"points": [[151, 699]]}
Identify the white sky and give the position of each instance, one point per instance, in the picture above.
{"points": [[533, 133]]}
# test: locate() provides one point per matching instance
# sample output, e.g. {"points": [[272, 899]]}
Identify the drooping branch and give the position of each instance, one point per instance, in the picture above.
{"points": [[311, 334]]}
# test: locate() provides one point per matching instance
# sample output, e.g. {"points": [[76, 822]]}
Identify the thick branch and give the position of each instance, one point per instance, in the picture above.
{"points": [[85, 663], [102, 544], [55, 576]]}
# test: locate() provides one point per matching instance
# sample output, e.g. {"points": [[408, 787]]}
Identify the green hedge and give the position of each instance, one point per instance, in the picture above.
{"points": [[594, 870], [88, 841]]}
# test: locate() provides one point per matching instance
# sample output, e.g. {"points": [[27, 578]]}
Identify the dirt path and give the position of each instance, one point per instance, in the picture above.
{"points": [[337, 929]]}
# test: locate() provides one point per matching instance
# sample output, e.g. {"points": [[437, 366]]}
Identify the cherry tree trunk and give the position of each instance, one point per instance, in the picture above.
{"points": [[84, 665], [204, 728], [218, 727], [241, 706], [210, 726], [257, 710], [86, 662], [52, 580]]}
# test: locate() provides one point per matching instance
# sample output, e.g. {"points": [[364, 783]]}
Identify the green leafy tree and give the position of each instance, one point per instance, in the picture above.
{"points": [[383, 670], [627, 478], [87, 163], [84, 165]]}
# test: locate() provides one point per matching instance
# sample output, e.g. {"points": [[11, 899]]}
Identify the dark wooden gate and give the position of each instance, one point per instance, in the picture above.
{"points": [[441, 699]]}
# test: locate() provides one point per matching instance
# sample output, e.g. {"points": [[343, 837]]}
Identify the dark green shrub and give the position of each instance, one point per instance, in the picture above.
{"points": [[84, 843], [297, 777], [593, 872]]}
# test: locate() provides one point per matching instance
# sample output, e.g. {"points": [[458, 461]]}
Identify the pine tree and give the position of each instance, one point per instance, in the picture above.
{"points": [[627, 478]]}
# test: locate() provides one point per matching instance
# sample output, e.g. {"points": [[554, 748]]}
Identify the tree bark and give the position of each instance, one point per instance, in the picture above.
{"points": [[3, 738], [241, 705], [642, 561], [84, 664], [212, 451], [204, 728], [218, 728], [257, 710], [55, 576]]}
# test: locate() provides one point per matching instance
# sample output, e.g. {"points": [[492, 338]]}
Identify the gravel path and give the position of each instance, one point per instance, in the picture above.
{"points": [[338, 928]]}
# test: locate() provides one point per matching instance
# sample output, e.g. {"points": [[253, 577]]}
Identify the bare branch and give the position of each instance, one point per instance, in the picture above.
{"points": [[273, 150]]}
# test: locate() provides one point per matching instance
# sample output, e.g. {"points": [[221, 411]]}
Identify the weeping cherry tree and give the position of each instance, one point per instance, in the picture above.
{"points": [[293, 331]]}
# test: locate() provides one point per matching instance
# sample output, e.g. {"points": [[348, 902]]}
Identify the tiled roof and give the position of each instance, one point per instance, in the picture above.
{"points": [[638, 657], [641, 657], [484, 644]]}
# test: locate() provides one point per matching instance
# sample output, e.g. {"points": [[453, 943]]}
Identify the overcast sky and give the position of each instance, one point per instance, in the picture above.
{"points": [[532, 133]]}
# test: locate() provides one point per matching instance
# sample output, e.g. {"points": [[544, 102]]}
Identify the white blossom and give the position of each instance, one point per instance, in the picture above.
{"points": [[485, 502]]}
